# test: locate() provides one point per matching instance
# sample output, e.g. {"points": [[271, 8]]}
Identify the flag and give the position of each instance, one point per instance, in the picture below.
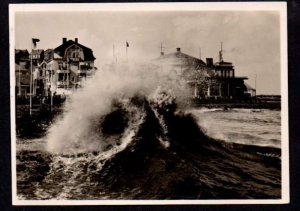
{"points": [[34, 41], [127, 44]]}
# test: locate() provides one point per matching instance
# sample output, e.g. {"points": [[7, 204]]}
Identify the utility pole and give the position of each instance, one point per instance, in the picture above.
{"points": [[30, 99], [68, 72], [19, 91]]}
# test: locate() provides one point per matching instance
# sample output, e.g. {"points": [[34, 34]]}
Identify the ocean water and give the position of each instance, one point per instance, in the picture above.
{"points": [[125, 136], [148, 162], [260, 127]]}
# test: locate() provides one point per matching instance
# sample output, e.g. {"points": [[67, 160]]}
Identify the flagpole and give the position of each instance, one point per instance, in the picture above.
{"points": [[30, 99], [19, 81], [126, 51], [51, 91]]}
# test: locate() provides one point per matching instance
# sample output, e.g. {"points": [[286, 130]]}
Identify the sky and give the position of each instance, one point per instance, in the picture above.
{"points": [[251, 39]]}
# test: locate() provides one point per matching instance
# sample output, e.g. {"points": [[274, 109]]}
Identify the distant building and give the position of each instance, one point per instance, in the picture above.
{"points": [[58, 70], [67, 65], [207, 80], [22, 72], [192, 69], [21, 56], [224, 83]]}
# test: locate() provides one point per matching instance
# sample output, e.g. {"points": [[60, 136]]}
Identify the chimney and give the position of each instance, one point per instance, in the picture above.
{"points": [[178, 49], [64, 40], [209, 62], [76, 40]]}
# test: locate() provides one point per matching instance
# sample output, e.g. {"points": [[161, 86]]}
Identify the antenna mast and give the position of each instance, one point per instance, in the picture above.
{"points": [[221, 53]]}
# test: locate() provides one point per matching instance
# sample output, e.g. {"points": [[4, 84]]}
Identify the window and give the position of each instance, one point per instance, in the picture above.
{"points": [[61, 77]]}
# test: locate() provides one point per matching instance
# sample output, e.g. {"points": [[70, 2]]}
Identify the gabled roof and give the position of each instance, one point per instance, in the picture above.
{"points": [[88, 53]]}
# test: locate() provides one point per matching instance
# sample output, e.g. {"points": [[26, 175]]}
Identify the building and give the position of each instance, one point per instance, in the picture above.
{"points": [[59, 70], [22, 72], [67, 66], [206, 80], [63, 68], [21, 56], [224, 83]]}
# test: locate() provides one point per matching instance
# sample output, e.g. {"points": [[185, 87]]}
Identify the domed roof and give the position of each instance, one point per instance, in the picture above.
{"points": [[179, 58], [188, 66]]}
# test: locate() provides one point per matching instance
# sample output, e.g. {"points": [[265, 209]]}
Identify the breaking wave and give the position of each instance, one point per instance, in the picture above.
{"points": [[120, 143]]}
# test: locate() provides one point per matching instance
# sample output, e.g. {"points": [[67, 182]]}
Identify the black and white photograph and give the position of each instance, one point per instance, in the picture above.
{"points": [[149, 103]]}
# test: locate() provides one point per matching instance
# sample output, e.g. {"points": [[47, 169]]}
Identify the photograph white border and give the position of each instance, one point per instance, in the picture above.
{"points": [[280, 7]]}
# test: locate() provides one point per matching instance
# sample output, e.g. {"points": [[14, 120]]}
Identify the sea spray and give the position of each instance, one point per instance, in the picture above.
{"points": [[74, 132], [155, 151]]}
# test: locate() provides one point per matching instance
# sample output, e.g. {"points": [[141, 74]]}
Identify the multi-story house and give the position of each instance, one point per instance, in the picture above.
{"points": [[22, 73], [66, 67]]}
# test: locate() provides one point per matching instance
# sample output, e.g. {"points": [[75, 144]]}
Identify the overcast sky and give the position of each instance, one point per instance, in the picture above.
{"points": [[251, 40]]}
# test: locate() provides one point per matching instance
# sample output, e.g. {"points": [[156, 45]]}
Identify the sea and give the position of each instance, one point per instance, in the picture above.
{"points": [[125, 136], [203, 172]]}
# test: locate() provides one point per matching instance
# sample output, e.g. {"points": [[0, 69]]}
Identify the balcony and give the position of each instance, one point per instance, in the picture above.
{"points": [[62, 71], [62, 83]]}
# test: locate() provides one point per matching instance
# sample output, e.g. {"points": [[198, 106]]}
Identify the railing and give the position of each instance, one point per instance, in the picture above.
{"points": [[62, 71], [62, 83], [87, 71]]}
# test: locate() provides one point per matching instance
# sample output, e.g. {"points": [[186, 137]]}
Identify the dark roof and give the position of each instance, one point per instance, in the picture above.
{"points": [[192, 68], [184, 58], [21, 55], [88, 53], [224, 64], [25, 51]]}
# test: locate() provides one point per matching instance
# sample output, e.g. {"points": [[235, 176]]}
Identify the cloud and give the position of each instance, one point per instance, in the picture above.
{"points": [[251, 40]]}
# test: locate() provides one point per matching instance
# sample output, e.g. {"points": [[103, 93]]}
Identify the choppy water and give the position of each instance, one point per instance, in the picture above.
{"points": [[261, 127], [162, 158], [123, 136]]}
